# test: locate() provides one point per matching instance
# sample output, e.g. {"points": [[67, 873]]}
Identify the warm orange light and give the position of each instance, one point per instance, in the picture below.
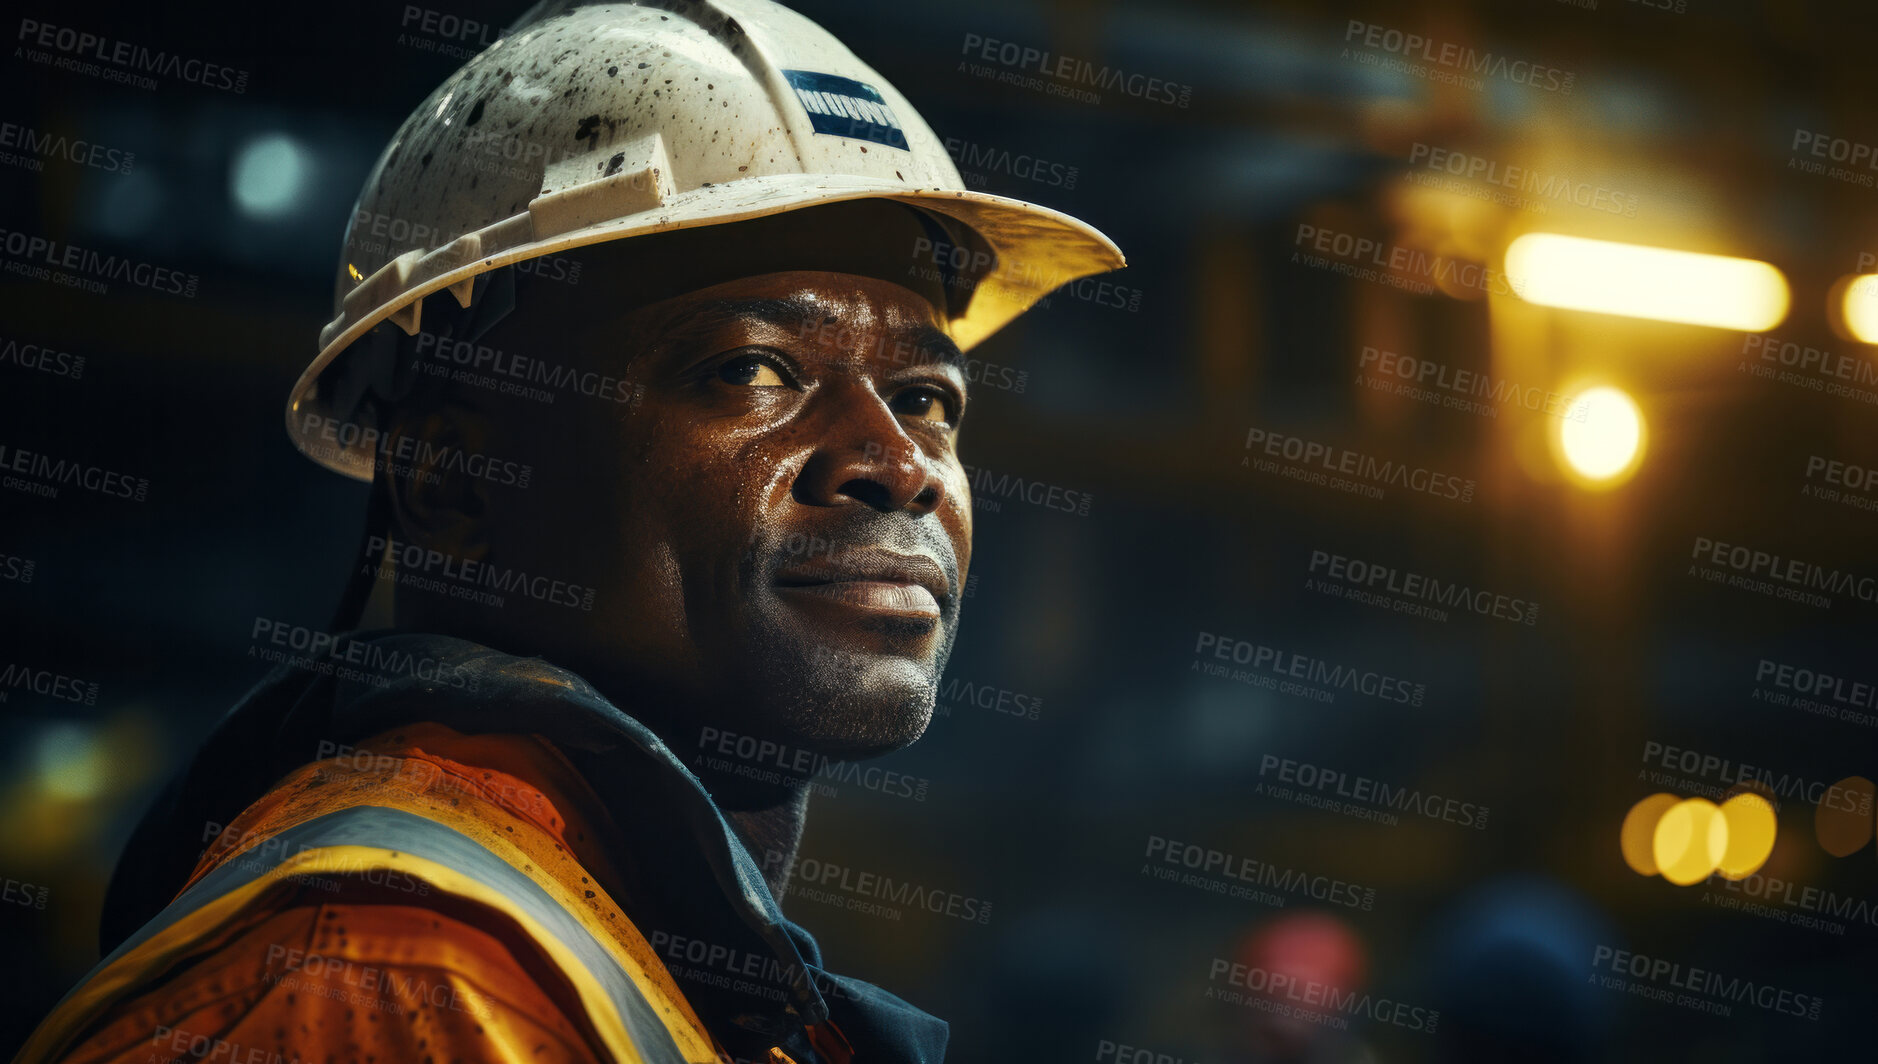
{"points": [[1663, 284], [1690, 841], [1752, 827], [1637, 837], [1843, 820], [1858, 308], [1600, 440]]}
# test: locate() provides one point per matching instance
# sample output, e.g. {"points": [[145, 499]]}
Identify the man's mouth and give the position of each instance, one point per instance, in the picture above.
{"points": [[872, 580]]}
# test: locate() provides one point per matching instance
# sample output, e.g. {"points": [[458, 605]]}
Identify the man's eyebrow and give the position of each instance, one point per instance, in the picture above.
{"points": [[931, 344], [944, 350], [787, 310]]}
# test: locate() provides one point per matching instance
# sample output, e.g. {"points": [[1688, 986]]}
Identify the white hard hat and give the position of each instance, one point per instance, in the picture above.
{"points": [[594, 123]]}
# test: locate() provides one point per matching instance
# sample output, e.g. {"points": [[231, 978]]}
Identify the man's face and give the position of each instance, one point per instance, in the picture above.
{"points": [[778, 529]]}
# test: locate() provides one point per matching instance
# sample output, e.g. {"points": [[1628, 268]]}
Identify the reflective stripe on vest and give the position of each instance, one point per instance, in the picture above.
{"points": [[362, 839]]}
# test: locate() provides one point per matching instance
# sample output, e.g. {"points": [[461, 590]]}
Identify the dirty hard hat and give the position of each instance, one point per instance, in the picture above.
{"points": [[594, 123]]}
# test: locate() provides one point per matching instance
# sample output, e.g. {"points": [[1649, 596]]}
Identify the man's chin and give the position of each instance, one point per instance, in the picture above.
{"points": [[861, 706], [883, 734]]}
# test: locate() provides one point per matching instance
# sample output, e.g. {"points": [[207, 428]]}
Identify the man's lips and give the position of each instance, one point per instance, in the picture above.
{"points": [[872, 579]]}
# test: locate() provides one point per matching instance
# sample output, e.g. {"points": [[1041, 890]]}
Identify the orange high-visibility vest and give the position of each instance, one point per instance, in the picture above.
{"points": [[430, 895]]}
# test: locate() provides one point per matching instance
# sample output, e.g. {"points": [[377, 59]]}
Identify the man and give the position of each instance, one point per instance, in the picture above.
{"points": [[710, 490]]}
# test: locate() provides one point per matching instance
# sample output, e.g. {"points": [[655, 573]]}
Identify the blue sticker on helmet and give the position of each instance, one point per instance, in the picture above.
{"points": [[845, 107]]}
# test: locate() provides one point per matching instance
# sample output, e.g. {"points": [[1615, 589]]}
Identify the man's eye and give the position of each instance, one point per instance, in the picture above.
{"points": [[927, 404], [752, 370]]}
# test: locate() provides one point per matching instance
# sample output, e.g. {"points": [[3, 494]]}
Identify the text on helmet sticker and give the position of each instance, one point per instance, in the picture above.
{"points": [[844, 107]]}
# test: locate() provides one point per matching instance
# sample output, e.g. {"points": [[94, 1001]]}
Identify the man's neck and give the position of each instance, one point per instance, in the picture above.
{"points": [[767, 817], [773, 833]]}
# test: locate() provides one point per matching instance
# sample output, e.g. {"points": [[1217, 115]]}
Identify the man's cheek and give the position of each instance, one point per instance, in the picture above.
{"points": [[958, 513]]}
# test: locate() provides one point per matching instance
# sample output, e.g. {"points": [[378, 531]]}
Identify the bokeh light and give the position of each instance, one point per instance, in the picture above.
{"points": [[1690, 841], [1843, 819], [1858, 308], [69, 762], [1601, 438], [1637, 838], [268, 175], [1752, 828]]}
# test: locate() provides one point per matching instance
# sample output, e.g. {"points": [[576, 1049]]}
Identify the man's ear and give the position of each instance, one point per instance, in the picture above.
{"points": [[435, 502]]}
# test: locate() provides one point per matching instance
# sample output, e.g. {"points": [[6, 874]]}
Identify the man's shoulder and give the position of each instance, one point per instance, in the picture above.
{"points": [[301, 978], [415, 837]]}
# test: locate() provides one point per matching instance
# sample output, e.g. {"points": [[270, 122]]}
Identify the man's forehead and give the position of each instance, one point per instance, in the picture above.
{"points": [[793, 299], [842, 313]]}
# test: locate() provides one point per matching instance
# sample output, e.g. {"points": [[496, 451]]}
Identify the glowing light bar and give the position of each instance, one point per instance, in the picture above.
{"points": [[1642, 282]]}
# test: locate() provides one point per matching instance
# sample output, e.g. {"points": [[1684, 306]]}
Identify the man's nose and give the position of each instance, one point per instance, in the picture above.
{"points": [[866, 456]]}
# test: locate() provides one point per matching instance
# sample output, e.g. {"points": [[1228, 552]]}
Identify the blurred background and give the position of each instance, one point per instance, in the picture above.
{"points": [[1386, 331]]}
